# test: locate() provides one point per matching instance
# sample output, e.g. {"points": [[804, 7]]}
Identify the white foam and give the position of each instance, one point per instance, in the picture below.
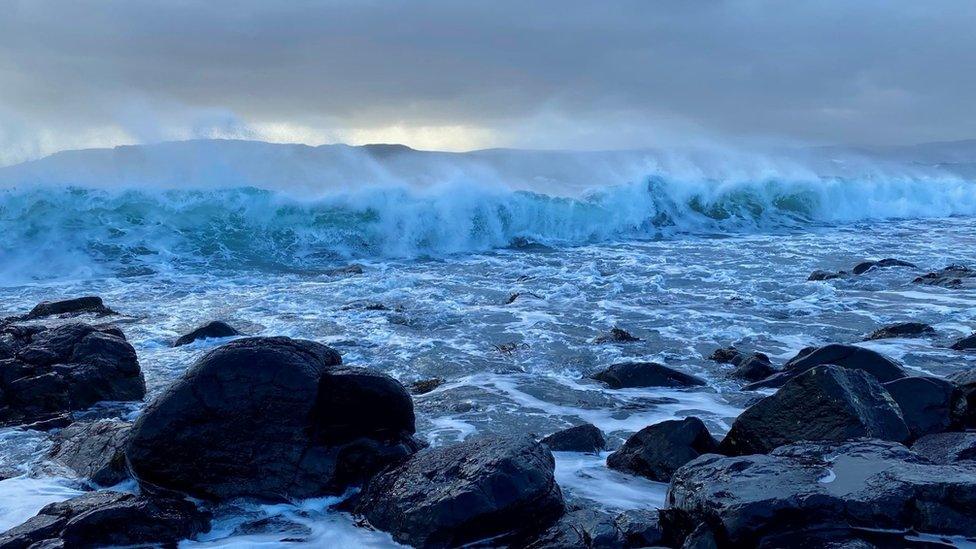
{"points": [[22, 497]]}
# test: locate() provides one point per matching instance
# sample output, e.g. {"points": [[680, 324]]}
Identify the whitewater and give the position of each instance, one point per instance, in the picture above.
{"points": [[494, 271]]}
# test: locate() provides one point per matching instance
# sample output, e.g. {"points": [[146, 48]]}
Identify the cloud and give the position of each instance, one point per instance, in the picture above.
{"points": [[459, 75]]}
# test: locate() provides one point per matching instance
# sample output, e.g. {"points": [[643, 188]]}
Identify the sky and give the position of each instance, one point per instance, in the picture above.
{"points": [[455, 75]]}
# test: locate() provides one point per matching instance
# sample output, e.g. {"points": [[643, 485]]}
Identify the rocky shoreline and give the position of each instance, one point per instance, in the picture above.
{"points": [[842, 446]]}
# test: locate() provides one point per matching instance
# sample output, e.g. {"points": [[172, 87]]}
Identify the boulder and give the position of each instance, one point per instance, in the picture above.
{"points": [[902, 330], [642, 528], [827, 403], [866, 266], [949, 277], [63, 369], [819, 275], [425, 386], [616, 335], [78, 305], [658, 450], [485, 487], [580, 528], [778, 500], [947, 448], [271, 418], [926, 403], [848, 356], [100, 519], [967, 343], [213, 329], [965, 382], [94, 450], [581, 438], [645, 374], [750, 367]]}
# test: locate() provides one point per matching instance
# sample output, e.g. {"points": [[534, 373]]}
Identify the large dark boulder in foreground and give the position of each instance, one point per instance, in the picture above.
{"points": [[827, 403], [947, 448], [949, 277], [902, 330], [272, 418], [866, 266], [658, 450], [966, 344], [101, 519], [53, 371], [581, 438], [830, 489], [78, 305], [485, 487], [94, 450], [645, 374], [213, 329], [926, 403], [965, 382], [848, 356]]}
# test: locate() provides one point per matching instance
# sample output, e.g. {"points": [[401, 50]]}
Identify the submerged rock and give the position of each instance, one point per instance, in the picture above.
{"points": [[78, 305], [70, 367], [645, 374], [616, 335], [94, 450], [903, 329], [827, 403], [749, 367], [827, 489], [819, 275], [581, 438], [658, 450], [521, 295], [849, 356], [271, 418], [867, 266], [926, 403], [101, 519], [213, 329], [947, 448], [949, 277], [966, 343], [484, 487], [425, 386]]}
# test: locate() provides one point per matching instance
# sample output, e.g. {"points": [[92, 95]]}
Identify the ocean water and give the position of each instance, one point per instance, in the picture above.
{"points": [[687, 266]]}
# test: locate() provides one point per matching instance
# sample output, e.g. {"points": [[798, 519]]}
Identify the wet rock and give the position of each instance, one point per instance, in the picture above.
{"points": [[749, 367], [657, 451], [750, 500], [965, 382], [827, 403], [94, 450], [586, 528], [645, 374], [100, 519], [946, 448], [642, 528], [926, 403], [848, 356], [866, 266], [425, 386], [521, 295], [616, 335], [213, 329], [484, 487], [63, 369], [725, 355], [902, 330], [581, 438], [78, 305], [826, 275], [949, 277], [351, 269], [966, 344], [307, 425]]}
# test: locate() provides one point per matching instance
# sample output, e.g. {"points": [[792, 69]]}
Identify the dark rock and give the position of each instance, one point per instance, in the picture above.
{"points": [[645, 374], [94, 450], [351, 269], [750, 500], [271, 418], [725, 355], [926, 403], [946, 448], [587, 528], [753, 368], [826, 275], [209, 330], [425, 386], [78, 305], [511, 299], [658, 450], [866, 266], [616, 335], [949, 277], [904, 329], [100, 519], [642, 528], [848, 356], [701, 538], [827, 403], [581, 438], [965, 382], [484, 487], [966, 344], [64, 369]]}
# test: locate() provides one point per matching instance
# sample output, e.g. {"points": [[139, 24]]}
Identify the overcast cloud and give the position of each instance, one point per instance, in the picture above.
{"points": [[460, 75]]}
